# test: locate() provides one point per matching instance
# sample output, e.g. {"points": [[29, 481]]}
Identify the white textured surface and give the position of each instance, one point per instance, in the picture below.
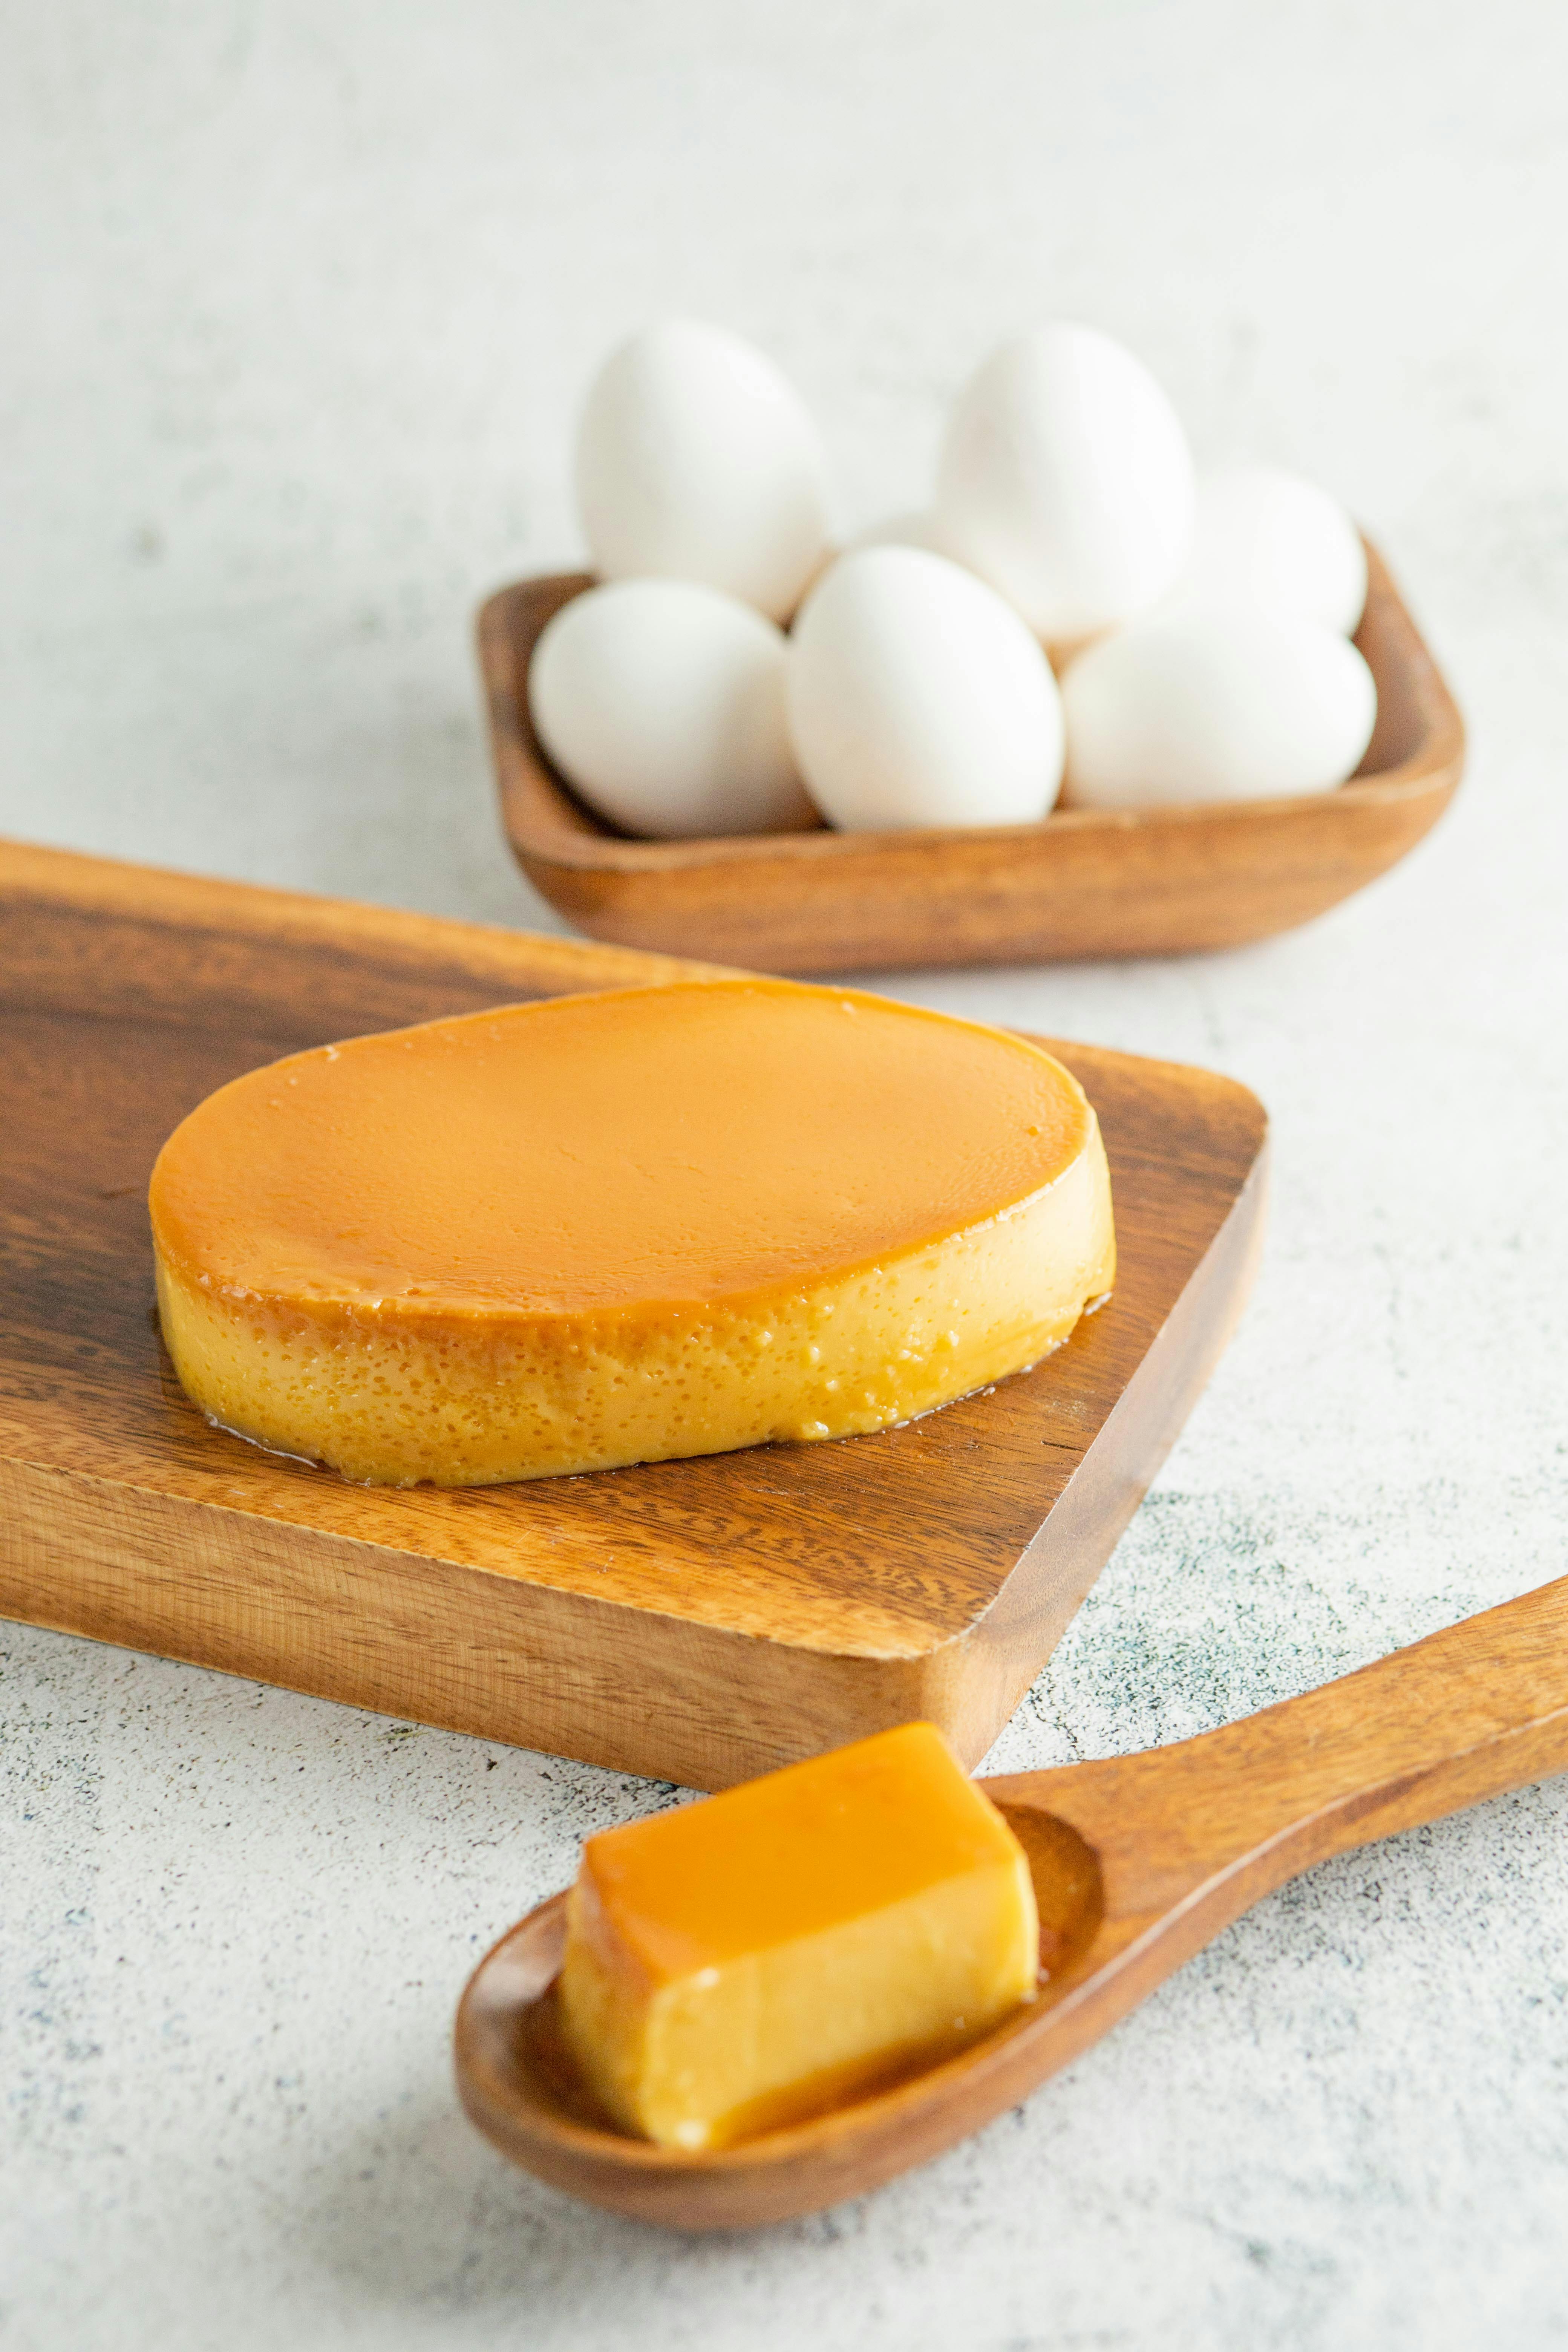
{"points": [[299, 299]]}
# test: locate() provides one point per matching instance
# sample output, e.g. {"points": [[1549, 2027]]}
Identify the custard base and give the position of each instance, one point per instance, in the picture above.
{"points": [[395, 1394]]}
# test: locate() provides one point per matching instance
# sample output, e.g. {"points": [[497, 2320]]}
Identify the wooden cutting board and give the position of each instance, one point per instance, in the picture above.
{"points": [[697, 1621]]}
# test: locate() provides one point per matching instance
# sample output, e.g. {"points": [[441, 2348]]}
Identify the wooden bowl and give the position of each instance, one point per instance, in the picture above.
{"points": [[1084, 883]]}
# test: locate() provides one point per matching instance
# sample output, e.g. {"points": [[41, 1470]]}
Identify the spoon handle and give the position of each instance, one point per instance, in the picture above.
{"points": [[1460, 1717]]}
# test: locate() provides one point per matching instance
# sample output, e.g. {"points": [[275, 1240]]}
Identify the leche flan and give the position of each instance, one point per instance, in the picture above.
{"points": [[619, 1227], [740, 1964]]}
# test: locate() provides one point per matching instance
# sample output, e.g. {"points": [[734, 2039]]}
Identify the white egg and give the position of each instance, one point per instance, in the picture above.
{"points": [[696, 460], [911, 529], [1263, 534], [918, 697], [662, 703], [1066, 481], [1213, 704]]}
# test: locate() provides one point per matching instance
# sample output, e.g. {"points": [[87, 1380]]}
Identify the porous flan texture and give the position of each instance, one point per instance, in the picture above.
{"points": [[614, 1228], [740, 1964]]}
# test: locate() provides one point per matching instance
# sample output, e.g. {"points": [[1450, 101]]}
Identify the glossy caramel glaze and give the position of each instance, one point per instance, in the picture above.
{"points": [[738, 1964], [622, 1226]]}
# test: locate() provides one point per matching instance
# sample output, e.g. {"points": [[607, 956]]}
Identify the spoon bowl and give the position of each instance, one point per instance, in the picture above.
{"points": [[521, 2085], [1138, 1862]]}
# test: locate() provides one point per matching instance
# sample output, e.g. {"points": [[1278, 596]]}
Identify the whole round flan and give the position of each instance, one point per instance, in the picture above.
{"points": [[625, 1226]]}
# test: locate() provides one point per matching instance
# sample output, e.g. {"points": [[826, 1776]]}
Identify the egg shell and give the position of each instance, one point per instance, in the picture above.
{"points": [[696, 460], [1266, 534], [918, 697], [1213, 704], [914, 529], [662, 703], [1066, 481]]}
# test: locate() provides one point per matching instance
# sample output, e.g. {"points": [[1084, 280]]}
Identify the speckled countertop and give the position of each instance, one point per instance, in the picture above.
{"points": [[301, 298]]}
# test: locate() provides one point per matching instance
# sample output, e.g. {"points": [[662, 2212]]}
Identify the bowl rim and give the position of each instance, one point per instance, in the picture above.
{"points": [[545, 822]]}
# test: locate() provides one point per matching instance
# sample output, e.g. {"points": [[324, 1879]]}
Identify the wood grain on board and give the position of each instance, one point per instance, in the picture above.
{"points": [[1086, 883], [698, 1620]]}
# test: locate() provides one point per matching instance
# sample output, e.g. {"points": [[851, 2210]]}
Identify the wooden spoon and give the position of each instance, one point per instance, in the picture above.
{"points": [[1138, 1862]]}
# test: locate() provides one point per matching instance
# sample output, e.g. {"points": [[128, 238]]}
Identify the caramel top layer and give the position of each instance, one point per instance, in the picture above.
{"points": [[677, 1146], [790, 1856]]}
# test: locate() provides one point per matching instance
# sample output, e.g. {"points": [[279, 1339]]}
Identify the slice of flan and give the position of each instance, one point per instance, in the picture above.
{"points": [[740, 1964], [620, 1227]]}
